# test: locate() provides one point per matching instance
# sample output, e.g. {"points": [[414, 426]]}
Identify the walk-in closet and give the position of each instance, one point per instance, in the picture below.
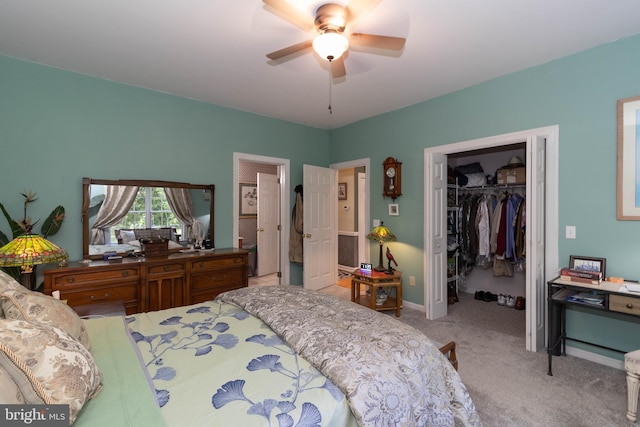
{"points": [[486, 225]]}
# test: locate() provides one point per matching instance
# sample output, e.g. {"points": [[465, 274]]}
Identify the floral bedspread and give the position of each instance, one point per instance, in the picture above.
{"points": [[214, 364], [390, 372]]}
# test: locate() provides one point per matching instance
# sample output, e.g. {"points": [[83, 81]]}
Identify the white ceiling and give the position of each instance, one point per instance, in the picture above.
{"points": [[214, 50]]}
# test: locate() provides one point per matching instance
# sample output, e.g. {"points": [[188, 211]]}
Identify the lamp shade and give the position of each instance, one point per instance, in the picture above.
{"points": [[330, 45], [381, 234], [30, 249]]}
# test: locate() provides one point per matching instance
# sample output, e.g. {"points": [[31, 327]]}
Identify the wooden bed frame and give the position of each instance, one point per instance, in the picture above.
{"points": [[449, 350]]}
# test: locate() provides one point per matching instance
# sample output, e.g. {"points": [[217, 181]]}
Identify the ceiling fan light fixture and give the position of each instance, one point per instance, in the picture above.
{"points": [[330, 45]]}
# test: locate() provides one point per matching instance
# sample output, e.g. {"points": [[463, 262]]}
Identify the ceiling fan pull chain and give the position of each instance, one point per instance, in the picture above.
{"points": [[330, 91]]}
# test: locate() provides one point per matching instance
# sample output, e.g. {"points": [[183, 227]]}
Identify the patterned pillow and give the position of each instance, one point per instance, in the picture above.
{"points": [[8, 282], [48, 366], [21, 303], [10, 394]]}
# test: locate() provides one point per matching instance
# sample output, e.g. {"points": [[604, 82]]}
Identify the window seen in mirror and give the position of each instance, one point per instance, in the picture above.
{"points": [[150, 209]]}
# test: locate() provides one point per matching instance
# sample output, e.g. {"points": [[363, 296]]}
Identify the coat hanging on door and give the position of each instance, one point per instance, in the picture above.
{"points": [[296, 235]]}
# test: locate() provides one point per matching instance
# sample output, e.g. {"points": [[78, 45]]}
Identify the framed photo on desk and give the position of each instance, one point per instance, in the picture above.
{"points": [[596, 265]]}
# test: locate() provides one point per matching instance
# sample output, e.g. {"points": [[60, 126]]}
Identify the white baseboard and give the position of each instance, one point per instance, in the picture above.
{"points": [[413, 306], [597, 358]]}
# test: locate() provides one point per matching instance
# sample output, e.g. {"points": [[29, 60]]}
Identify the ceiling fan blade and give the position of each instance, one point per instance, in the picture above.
{"points": [[359, 8], [337, 68], [291, 14], [378, 42], [289, 50]]}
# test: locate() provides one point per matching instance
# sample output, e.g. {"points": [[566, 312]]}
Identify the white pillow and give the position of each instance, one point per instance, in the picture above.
{"points": [[127, 235]]}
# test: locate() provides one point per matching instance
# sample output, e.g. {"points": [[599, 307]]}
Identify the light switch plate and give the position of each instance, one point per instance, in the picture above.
{"points": [[570, 232]]}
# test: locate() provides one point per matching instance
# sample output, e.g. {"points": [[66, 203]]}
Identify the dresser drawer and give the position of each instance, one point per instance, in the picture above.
{"points": [[624, 304], [128, 293], [217, 263], [233, 277], [166, 268], [73, 279]]}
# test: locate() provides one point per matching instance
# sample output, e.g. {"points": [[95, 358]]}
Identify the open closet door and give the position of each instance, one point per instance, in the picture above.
{"points": [[535, 235], [436, 254], [320, 225]]}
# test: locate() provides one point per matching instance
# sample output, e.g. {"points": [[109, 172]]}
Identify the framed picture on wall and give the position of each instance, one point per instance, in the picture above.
{"points": [[394, 210], [342, 191], [628, 188], [248, 199]]}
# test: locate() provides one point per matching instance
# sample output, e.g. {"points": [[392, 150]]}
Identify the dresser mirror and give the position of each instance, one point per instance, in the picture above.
{"points": [[93, 197]]}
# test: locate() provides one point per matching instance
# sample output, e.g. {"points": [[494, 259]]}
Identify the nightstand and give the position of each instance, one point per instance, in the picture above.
{"points": [[375, 280]]}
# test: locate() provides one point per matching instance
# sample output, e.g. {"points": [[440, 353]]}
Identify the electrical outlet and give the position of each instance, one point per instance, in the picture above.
{"points": [[412, 280]]}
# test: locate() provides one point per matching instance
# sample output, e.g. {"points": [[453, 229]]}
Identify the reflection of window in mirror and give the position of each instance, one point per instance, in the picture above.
{"points": [[150, 209]]}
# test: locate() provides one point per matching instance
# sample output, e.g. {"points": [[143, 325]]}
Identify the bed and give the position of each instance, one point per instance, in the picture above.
{"points": [[269, 356]]}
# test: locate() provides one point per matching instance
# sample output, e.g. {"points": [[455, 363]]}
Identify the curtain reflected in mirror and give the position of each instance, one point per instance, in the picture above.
{"points": [[118, 214]]}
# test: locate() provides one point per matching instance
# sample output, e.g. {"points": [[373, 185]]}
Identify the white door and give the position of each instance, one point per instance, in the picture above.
{"points": [[535, 256], [320, 221], [268, 233], [436, 230], [363, 246]]}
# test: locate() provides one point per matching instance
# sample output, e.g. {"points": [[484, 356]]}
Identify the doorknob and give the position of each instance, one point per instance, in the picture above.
{"points": [[260, 229], [308, 236]]}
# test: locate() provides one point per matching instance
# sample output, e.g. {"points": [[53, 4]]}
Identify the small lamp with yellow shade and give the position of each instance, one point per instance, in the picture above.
{"points": [[381, 234]]}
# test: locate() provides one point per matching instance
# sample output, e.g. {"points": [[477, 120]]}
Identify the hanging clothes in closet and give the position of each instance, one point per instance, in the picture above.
{"points": [[493, 228]]}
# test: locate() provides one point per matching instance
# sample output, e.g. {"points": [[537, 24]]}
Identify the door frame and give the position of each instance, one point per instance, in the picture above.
{"points": [[366, 162], [285, 202], [551, 133]]}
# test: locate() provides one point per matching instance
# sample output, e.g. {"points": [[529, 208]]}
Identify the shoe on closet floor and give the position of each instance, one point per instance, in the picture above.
{"points": [[520, 303], [488, 296], [479, 295], [502, 299], [511, 301]]}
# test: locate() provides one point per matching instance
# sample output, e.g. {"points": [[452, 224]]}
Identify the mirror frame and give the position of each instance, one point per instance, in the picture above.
{"points": [[86, 197]]}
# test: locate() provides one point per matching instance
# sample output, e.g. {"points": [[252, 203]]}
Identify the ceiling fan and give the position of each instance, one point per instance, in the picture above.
{"points": [[331, 22]]}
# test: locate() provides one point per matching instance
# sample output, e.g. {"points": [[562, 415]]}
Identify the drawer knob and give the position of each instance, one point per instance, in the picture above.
{"points": [[106, 295], [71, 279], [125, 273], [629, 305], [166, 268], [200, 265]]}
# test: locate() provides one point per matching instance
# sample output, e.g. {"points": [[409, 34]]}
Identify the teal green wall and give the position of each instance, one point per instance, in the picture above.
{"points": [[578, 93], [57, 127]]}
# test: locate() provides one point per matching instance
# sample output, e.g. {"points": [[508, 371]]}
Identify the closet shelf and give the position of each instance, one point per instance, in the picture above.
{"points": [[493, 187]]}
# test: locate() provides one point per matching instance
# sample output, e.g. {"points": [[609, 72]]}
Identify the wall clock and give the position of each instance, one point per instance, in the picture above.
{"points": [[392, 178]]}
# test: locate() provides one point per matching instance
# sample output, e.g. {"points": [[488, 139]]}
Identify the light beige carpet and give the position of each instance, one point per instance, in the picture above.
{"points": [[509, 384]]}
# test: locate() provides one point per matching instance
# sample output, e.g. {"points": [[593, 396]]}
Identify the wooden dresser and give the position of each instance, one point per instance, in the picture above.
{"points": [[153, 283]]}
